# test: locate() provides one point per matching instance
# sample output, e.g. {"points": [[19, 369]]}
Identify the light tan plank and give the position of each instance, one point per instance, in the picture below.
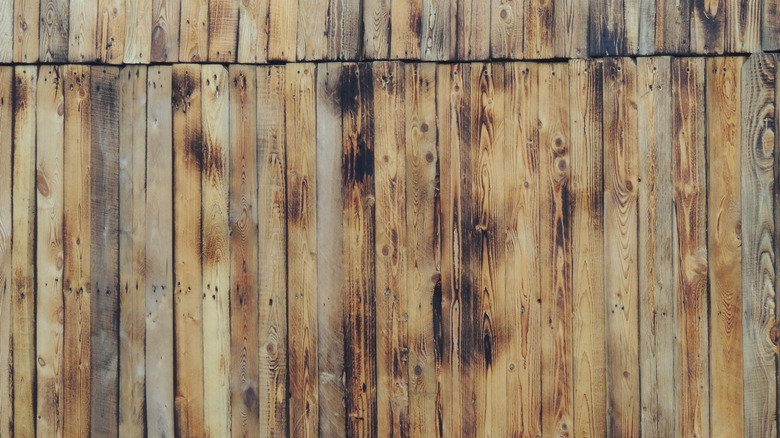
{"points": [[165, 30], [194, 31], [253, 31], [223, 30], [313, 29], [54, 30], [26, 14], [6, 222], [138, 31], [82, 31], [111, 31], [282, 30]]}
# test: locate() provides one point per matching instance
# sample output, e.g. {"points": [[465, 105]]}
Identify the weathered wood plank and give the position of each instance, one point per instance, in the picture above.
{"points": [[82, 31], [587, 235], [111, 31], [359, 261], [759, 264], [473, 35], [571, 28], [23, 244], [312, 29], [138, 31], [723, 96], [673, 26], [621, 167], [223, 30], [165, 30], [616, 31], [506, 37], [555, 248], [691, 264], [194, 30], [272, 214], [658, 349], [54, 30], [406, 29], [538, 37], [300, 134], [393, 313], [344, 29], [243, 252], [253, 31], [708, 21], [770, 25], [216, 250], [6, 222], [438, 30], [188, 317], [104, 252], [77, 238], [132, 251], [26, 14], [282, 30], [424, 250], [159, 254], [648, 17], [377, 18], [49, 255], [523, 308], [7, 31], [330, 266], [743, 26]]}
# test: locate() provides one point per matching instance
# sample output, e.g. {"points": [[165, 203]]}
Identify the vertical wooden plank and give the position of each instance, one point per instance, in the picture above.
{"points": [[555, 248], [165, 31], [673, 26], [393, 314], [194, 31], [243, 252], [82, 37], [132, 252], [312, 29], [111, 31], [648, 15], [253, 32], [7, 31], [344, 29], [6, 221], [691, 252], [159, 253], [770, 25], [758, 244], [587, 196], [538, 42], [77, 238], [523, 308], [474, 30], [743, 26], [621, 153], [616, 32], [658, 349], [49, 256], [359, 261], [138, 31], [300, 133], [424, 251], [330, 266], [188, 317], [438, 32], [104, 253], [406, 29], [506, 37], [724, 239], [23, 244], [53, 30], [272, 214], [216, 247], [26, 14], [282, 30], [377, 18], [223, 30], [571, 28], [708, 26]]}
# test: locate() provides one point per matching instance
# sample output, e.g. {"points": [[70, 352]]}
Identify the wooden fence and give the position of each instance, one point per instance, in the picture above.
{"points": [[387, 249], [261, 31]]}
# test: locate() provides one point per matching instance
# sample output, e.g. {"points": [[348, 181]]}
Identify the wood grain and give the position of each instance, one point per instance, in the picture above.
{"points": [[7, 31], [132, 251], [438, 31], [393, 306], [244, 328], [743, 26], [571, 28], [223, 23], [506, 37], [216, 250], [110, 31], [708, 26], [587, 234], [312, 29], [54, 30], [272, 213], [330, 252], [406, 29], [6, 224], [538, 37], [187, 244], [77, 244], [344, 29], [49, 251], [82, 31], [26, 14], [23, 244], [138, 31], [301, 137], [164, 30], [282, 30], [523, 309], [194, 30], [473, 35], [758, 138], [723, 98], [770, 25]]}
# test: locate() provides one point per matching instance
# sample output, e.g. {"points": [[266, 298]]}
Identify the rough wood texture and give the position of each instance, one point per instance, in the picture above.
{"points": [[223, 23], [253, 31], [6, 223], [138, 31], [708, 26], [344, 27], [406, 29], [110, 31], [164, 30], [82, 31], [312, 29], [770, 25], [376, 27], [54, 30], [438, 30], [506, 38], [194, 30], [282, 30], [7, 30], [26, 14]]}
